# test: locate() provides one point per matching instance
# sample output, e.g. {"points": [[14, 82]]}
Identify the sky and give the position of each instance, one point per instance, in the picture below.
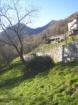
{"points": [[49, 10], [53, 10]]}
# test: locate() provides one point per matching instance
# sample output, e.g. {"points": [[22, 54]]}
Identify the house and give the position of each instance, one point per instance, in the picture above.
{"points": [[56, 39], [73, 26]]}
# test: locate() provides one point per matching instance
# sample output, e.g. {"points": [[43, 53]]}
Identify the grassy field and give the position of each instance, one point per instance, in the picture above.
{"points": [[56, 86]]}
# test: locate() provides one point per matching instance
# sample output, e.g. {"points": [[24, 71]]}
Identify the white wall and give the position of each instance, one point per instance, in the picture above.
{"points": [[73, 25]]}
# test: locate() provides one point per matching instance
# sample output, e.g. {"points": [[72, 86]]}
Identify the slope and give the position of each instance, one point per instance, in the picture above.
{"points": [[58, 86]]}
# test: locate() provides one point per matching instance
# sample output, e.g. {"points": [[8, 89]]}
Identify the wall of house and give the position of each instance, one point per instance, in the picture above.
{"points": [[57, 39], [73, 25], [70, 53]]}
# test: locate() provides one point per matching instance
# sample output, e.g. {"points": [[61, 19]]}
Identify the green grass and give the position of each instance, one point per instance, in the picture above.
{"points": [[58, 86], [46, 47]]}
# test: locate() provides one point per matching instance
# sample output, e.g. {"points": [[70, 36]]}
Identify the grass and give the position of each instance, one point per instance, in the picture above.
{"points": [[58, 86], [46, 47]]}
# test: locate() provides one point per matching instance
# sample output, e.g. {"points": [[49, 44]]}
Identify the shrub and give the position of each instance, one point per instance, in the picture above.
{"points": [[39, 64]]}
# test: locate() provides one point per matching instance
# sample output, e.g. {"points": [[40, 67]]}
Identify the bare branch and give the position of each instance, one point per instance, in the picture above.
{"points": [[17, 41], [5, 42], [16, 10], [27, 14], [10, 40], [25, 24], [5, 16]]}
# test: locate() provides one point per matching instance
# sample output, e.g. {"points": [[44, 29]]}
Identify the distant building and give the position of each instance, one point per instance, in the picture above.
{"points": [[56, 39], [73, 26]]}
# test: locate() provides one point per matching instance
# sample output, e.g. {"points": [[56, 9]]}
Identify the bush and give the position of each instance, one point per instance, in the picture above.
{"points": [[39, 64]]}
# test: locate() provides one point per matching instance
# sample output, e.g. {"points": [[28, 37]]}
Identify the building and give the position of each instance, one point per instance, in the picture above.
{"points": [[56, 39], [73, 26]]}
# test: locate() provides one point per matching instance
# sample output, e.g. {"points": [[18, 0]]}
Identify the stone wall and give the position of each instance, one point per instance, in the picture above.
{"points": [[55, 54], [66, 53], [70, 53]]}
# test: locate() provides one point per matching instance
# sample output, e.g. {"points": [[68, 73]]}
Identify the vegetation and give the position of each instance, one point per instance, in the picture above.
{"points": [[6, 16], [35, 80], [55, 86], [47, 47]]}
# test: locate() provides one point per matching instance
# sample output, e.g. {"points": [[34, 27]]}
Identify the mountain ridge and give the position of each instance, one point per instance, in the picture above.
{"points": [[52, 28]]}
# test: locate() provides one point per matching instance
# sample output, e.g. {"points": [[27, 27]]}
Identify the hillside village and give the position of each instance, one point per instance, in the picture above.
{"points": [[66, 52], [38, 66], [72, 30]]}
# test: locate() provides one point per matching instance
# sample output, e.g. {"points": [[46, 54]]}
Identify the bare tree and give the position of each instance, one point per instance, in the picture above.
{"points": [[7, 20]]}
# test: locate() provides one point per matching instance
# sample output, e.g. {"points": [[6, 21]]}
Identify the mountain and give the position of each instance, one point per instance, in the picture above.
{"points": [[52, 28], [24, 30], [40, 29], [60, 26]]}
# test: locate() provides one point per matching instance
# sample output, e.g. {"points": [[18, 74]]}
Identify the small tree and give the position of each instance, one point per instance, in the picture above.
{"points": [[8, 13]]}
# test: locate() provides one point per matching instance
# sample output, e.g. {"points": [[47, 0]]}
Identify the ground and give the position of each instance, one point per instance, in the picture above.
{"points": [[56, 86]]}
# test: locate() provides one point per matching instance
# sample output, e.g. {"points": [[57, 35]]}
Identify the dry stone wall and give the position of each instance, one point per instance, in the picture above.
{"points": [[66, 53]]}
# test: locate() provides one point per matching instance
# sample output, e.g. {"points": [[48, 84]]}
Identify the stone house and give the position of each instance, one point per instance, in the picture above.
{"points": [[73, 26], [56, 39]]}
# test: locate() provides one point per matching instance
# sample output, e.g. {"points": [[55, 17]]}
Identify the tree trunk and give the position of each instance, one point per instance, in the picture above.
{"points": [[23, 60]]}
